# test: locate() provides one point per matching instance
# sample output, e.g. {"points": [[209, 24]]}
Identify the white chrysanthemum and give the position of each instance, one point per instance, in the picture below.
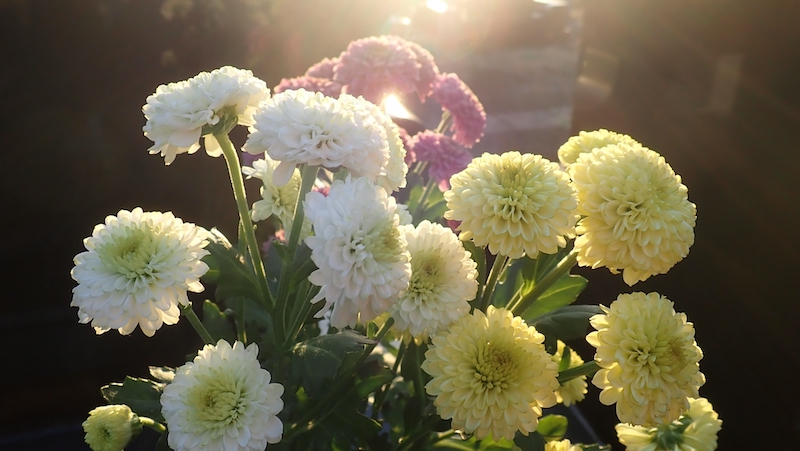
{"points": [[110, 428], [136, 270], [278, 201], [177, 113], [393, 171], [361, 256], [491, 374], [443, 280], [516, 203], [296, 127], [696, 430], [561, 445], [637, 217], [574, 390], [223, 401], [648, 358], [586, 142]]}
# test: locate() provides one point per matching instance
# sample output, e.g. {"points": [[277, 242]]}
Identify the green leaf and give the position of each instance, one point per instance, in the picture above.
{"points": [[531, 442], [374, 381], [217, 323], [567, 323], [141, 395], [552, 427], [232, 277], [355, 424], [563, 292], [320, 358]]}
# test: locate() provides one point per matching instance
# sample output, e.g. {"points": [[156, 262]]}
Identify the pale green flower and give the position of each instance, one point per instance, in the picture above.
{"points": [[586, 142], [110, 428], [695, 430]]}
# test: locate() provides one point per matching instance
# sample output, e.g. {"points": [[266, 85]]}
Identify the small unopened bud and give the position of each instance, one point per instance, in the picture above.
{"points": [[111, 428]]}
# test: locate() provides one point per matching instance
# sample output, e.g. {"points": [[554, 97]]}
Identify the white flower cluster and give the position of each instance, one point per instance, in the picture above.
{"points": [[178, 113]]}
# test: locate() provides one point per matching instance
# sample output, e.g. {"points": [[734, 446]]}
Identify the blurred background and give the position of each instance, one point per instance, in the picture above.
{"points": [[710, 84]]}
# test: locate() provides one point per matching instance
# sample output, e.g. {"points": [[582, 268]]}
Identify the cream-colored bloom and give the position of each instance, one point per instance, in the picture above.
{"points": [[296, 127], [696, 430], [637, 217], [491, 374], [585, 142], [361, 256], [278, 201], [222, 401], [561, 445], [574, 390], [178, 114], [110, 428], [516, 203], [443, 280], [136, 270], [648, 357]]}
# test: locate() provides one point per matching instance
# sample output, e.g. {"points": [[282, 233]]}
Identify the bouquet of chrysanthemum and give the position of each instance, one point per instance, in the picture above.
{"points": [[407, 296]]}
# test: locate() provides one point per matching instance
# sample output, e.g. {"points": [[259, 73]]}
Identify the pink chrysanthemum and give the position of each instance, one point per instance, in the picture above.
{"points": [[323, 69], [327, 87], [410, 157], [443, 154], [469, 119], [372, 67], [427, 71]]}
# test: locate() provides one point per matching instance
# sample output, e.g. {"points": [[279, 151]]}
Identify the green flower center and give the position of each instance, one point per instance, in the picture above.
{"points": [[217, 402], [130, 255], [495, 367], [672, 356], [383, 242], [426, 274]]}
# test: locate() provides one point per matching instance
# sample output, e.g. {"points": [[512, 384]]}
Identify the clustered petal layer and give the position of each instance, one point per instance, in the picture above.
{"points": [[574, 390], [444, 155], [585, 142], [637, 217], [469, 119], [178, 114], [223, 401], [516, 203], [110, 428], [296, 127], [136, 271], [648, 357], [361, 255], [443, 280], [491, 374], [695, 430]]}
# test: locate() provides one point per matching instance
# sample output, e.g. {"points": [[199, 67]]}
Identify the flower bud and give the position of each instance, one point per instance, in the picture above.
{"points": [[110, 428]]}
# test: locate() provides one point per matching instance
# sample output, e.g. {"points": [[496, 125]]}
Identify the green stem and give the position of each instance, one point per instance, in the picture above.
{"points": [[494, 275], [152, 424], [561, 268], [419, 386], [587, 369], [381, 396], [309, 420], [443, 122], [309, 176], [241, 328], [419, 207], [422, 432], [201, 330], [237, 182]]}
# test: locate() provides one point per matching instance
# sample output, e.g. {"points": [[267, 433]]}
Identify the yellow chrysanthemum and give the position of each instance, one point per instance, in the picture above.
{"points": [[586, 142], [648, 359], [516, 203], [696, 430], [491, 374], [561, 445], [110, 428], [637, 217], [574, 390]]}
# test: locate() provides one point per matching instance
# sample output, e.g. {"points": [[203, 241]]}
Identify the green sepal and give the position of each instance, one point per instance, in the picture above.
{"points": [[320, 358], [217, 323], [552, 427], [141, 395]]}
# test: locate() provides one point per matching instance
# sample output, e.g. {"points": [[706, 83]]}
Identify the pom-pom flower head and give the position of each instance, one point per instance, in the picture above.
{"points": [[361, 256], [469, 119], [648, 358], [178, 114], [296, 127], [695, 430], [516, 203], [637, 217], [585, 142], [443, 280], [223, 400], [491, 374], [445, 157], [136, 271], [110, 428]]}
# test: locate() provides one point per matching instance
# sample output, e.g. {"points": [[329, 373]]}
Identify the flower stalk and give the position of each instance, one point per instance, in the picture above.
{"points": [[519, 305], [201, 330]]}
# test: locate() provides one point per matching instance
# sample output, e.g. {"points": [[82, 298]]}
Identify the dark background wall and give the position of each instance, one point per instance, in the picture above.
{"points": [[74, 74]]}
